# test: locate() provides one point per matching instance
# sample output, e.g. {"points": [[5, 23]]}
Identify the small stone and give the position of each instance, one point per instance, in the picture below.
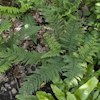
{"points": [[12, 82], [7, 86], [3, 78], [13, 91], [29, 70], [3, 89]]}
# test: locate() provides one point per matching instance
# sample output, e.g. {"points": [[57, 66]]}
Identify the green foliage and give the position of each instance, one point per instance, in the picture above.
{"points": [[74, 69], [2, 40], [5, 24], [58, 93], [73, 52], [29, 97], [44, 73], [70, 96], [55, 48], [67, 8], [90, 48], [73, 36], [44, 96], [56, 23], [81, 93], [28, 30], [18, 55], [14, 12], [94, 16], [9, 11]]}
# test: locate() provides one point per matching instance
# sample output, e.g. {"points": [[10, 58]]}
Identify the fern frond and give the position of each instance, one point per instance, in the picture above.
{"points": [[90, 48], [9, 11], [18, 54], [5, 24], [29, 29], [18, 37], [71, 39], [29, 21], [73, 70], [44, 73], [67, 7], [4, 65], [55, 22]]}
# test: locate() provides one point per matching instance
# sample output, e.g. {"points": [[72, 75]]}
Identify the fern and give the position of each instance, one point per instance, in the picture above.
{"points": [[27, 30], [18, 55], [55, 48], [4, 65], [10, 11], [53, 44], [69, 50], [73, 70], [5, 24], [55, 22], [67, 7], [73, 36], [14, 12], [90, 48], [44, 73]]}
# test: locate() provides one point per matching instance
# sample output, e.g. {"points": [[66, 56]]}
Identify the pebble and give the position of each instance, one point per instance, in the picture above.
{"points": [[14, 91], [12, 82], [7, 86], [3, 88]]}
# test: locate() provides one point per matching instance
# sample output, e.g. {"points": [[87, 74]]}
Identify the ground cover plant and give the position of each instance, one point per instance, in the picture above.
{"points": [[74, 51]]}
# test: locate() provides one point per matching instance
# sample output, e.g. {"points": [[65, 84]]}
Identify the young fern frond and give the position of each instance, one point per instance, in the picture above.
{"points": [[73, 70], [44, 73], [73, 36]]}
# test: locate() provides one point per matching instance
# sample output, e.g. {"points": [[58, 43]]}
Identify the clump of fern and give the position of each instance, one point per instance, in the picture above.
{"points": [[69, 50]]}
